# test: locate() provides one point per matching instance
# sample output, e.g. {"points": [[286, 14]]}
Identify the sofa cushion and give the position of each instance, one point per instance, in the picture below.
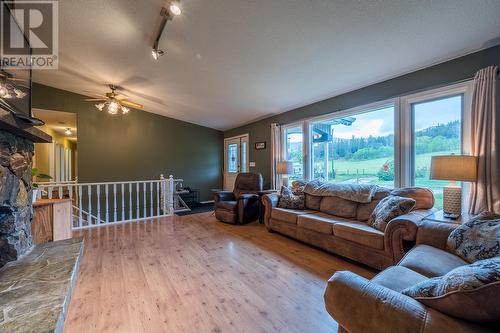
{"points": [[291, 200], [228, 205], [398, 278], [360, 233], [468, 292], [319, 222], [424, 197], [339, 207], [430, 261], [389, 208], [288, 215], [312, 202], [476, 239]]}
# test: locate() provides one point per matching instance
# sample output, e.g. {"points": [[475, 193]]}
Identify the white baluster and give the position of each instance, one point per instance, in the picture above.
{"points": [[171, 194], [50, 192], [137, 197], [60, 192], [89, 194], [70, 189], [106, 189], [123, 202], [151, 199], [114, 201], [144, 208], [157, 198], [130, 201], [98, 204], [80, 220]]}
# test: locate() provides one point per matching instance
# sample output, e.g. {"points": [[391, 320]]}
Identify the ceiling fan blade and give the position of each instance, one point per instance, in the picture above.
{"points": [[132, 104], [17, 79], [121, 97], [95, 99]]}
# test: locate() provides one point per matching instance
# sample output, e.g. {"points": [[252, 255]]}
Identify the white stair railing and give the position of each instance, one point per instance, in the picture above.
{"points": [[100, 204]]}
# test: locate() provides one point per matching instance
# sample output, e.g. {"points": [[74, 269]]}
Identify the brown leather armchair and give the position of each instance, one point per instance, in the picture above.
{"points": [[242, 205]]}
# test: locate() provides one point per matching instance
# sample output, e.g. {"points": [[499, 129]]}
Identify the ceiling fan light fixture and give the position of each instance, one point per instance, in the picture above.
{"points": [[113, 107], [3, 92], [125, 110], [100, 106], [175, 8]]}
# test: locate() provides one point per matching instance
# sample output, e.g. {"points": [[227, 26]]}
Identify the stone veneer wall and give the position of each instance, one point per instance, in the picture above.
{"points": [[16, 154]]}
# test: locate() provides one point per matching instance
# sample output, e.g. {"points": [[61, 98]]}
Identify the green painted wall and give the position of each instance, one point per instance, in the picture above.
{"points": [[139, 145], [441, 74]]}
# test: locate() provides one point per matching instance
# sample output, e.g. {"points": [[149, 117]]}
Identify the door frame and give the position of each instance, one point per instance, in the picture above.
{"points": [[247, 157]]}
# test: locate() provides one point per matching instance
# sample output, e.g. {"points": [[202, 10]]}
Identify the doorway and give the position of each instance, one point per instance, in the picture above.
{"points": [[235, 159]]}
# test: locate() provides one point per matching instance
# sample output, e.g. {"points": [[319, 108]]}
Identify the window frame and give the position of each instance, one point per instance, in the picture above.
{"points": [[408, 121], [403, 128]]}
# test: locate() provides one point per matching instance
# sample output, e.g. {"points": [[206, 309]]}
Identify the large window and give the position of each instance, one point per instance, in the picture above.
{"points": [[293, 152], [437, 130], [358, 148], [389, 143]]}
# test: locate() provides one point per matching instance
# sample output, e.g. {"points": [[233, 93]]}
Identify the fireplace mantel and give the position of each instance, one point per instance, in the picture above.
{"points": [[20, 128]]}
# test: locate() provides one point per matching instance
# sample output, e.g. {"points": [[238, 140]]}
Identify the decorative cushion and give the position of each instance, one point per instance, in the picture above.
{"points": [[365, 210], [476, 239], [389, 208], [290, 200], [468, 292]]}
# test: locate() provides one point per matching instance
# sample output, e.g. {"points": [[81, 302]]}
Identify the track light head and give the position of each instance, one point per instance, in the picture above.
{"points": [[157, 53]]}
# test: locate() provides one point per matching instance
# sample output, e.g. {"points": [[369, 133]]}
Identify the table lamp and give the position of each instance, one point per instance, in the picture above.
{"points": [[453, 168], [284, 168]]}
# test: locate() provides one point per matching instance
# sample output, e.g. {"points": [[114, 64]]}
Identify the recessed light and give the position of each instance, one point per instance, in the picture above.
{"points": [[68, 131]]}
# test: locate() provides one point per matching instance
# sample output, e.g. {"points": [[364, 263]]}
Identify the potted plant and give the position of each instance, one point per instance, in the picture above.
{"points": [[35, 174]]}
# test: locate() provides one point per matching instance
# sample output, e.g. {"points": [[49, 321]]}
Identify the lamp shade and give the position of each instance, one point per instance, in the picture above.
{"points": [[454, 167], [284, 168]]}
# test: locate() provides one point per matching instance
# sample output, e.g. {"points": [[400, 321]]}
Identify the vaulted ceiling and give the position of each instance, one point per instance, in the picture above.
{"points": [[229, 62]]}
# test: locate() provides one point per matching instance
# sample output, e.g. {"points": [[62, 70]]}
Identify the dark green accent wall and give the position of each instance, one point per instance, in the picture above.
{"points": [[438, 75], [139, 145]]}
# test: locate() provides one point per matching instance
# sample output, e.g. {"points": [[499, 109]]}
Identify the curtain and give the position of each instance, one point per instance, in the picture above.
{"points": [[275, 154], [485, 192]]}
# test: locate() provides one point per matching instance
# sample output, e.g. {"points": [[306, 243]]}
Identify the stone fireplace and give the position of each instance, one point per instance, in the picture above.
{"points": [[16, 154]]}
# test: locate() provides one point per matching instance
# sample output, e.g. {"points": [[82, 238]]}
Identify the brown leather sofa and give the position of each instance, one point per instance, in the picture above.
{"points": [[242, 205], [377, 306], [340, 226]]}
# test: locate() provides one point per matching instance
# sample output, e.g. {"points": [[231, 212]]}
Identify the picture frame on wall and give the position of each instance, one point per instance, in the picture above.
{"points": [[260, 145]]}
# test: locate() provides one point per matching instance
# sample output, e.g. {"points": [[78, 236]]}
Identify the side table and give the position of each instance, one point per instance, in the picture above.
{"points": [[438, 216]]}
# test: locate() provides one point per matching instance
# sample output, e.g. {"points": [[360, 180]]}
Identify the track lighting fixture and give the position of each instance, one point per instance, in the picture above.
{"points": [[173, 8]]}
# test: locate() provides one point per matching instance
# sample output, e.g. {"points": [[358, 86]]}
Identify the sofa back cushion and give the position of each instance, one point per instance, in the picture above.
{"points": [[467, 292], [339, 207], [365, 210], [313, 202], [476, 239], [424, 197]]}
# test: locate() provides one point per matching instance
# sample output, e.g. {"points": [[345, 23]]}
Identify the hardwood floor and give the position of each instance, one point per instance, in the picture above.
{"points": [[194, 274]]}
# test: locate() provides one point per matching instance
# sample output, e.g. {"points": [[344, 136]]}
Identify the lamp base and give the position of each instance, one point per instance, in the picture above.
{"points": [[452, 201]]}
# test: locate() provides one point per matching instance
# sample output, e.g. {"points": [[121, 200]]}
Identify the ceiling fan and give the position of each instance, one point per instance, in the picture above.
{"points": [[11, 87], [114, 102]]}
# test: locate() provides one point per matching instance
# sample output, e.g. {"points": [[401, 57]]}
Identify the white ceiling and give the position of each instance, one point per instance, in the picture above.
{"points": [[229, 62]]}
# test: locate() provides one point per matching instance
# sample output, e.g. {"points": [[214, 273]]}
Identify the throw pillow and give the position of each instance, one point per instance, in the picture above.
{"points": [[389, 208], [468, 292], [476, 239], [290, 200]]}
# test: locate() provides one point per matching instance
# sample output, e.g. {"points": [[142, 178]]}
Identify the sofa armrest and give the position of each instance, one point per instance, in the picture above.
{"points": [[223, 196], [400, 229], [359, 305], [269, 201], [435, 234]]}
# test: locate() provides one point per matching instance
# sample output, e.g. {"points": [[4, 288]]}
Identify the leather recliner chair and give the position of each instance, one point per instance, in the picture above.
{"points": [[242, 205]]}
